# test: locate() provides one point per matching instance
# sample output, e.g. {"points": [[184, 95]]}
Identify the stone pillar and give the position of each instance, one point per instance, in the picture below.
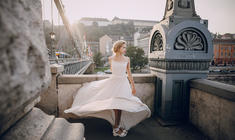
{"points": [[180, 49], [25, 74], [24, 67], [49, 99]]}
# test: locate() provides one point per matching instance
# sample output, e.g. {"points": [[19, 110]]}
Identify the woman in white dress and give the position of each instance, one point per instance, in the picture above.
{"points": [[113, 98]]}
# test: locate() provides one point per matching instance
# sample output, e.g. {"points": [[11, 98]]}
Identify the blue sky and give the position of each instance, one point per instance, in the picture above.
{"points": [[220, 13]]}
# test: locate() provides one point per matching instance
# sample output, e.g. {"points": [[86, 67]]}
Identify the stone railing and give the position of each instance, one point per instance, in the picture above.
{"points": [[212, 108], [63, 87], [68, 85]]}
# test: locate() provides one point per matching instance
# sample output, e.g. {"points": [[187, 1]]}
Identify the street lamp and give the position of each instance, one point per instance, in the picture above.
{"points": [[52, 35], [53, 54]]}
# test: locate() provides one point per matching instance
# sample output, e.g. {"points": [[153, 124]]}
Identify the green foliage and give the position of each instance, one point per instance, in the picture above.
{"points": [[101, 69], [137, 58], [97, 59]]}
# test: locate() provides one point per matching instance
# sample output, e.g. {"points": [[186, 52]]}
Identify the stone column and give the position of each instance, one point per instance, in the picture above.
{"points": [[49, 99], [25, 74], [180, 49], [24, 67]]}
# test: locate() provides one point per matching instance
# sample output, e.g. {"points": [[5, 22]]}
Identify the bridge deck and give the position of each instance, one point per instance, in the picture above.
{"points": [[149, 129]]}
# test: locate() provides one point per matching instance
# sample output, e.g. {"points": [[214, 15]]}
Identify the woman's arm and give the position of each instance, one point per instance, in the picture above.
{"points": [[130, 77]]}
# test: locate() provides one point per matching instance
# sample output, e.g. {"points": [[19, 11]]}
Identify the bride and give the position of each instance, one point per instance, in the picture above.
{"points": [[113, 98]]}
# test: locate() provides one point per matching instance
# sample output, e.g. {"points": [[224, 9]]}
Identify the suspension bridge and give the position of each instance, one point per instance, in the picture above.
{"points": [[79, 58]]}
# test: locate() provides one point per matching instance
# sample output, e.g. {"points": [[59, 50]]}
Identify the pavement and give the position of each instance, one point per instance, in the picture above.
{"points": [[149, 129]]}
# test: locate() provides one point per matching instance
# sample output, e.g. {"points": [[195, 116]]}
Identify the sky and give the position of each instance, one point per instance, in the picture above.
{"points": [[219, 13]]}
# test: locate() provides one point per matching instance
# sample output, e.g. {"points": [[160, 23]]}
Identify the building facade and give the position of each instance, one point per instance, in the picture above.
{"points": [[87, 21], [143, 42], [139, 24], [224, 52], [106, 45], [94, 46]]}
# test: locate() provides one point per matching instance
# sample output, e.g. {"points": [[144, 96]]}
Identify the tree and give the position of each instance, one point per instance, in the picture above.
{"points": [[137, 58], [97, 59]]}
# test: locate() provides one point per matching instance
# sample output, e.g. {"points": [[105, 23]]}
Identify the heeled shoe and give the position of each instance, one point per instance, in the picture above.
{"points": [[115, 131], [122, 134]]}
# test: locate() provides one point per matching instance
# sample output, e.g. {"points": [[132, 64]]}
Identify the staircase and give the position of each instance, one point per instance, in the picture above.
{"points": [[37, 125]]}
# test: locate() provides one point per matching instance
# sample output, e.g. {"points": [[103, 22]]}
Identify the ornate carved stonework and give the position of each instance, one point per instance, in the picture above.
{"points": [[170, 5], [184, 4], [180, 64], [156, 42], [180, 9], [190, 39]]}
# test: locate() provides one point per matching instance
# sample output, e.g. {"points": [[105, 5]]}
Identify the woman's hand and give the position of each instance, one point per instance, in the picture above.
{"points": [[133, 91]]}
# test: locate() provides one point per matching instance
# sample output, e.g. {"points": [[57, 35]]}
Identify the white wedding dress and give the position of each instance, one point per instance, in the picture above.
{"points": [[99, 98]]}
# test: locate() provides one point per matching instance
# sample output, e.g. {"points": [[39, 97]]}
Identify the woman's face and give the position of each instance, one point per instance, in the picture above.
{"points": [[123, 49]]}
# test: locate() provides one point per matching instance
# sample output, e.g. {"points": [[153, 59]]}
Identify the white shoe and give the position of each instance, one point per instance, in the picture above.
{"points": [[115, 132]]}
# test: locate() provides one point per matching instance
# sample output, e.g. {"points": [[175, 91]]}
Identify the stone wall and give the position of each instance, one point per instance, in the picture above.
{"points": [[212, 108], [24, 66], [25, 75], [68, 85]]}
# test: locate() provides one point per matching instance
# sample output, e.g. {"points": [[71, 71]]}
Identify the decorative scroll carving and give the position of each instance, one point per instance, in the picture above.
{"points": [[170, 5], [156, 42], [184, 4], [190, 40]]}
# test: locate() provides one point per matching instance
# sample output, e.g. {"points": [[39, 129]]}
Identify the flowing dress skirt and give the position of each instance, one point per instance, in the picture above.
{"points": [[99, 98]]}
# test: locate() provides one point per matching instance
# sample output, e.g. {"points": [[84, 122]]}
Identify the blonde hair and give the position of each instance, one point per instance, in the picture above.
{"points": [[117, 45]]}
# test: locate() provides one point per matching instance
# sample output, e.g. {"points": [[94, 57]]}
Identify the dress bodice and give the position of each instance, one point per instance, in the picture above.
{"points": [[119, 68]]}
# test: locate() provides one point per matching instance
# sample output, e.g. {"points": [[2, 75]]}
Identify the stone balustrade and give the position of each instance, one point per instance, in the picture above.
{"points": [[68, 85], [212, 108]]}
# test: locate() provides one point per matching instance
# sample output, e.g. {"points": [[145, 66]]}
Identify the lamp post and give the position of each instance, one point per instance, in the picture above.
{"points": [[53, 53]]}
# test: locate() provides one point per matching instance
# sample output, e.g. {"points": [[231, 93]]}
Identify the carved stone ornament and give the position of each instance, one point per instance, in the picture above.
{"points": [[190, 40], [179, 64], [156, 42], [170, 5], [184, 4]]}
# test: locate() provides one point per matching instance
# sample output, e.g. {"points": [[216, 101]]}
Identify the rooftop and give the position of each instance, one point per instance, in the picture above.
{"points": [[93, 19], [137, 20]]}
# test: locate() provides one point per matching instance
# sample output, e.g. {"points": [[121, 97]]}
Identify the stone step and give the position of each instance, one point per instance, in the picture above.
{"points": [[37, 125], [31, 127], [61, 129]]}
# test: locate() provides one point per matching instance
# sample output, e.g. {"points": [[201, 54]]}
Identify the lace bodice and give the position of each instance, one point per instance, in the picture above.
{"points": [[119, 68]]}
